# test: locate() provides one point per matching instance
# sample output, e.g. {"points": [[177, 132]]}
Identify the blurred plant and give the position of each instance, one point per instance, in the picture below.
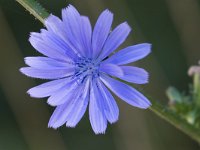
{"points": [[183, 110], [187, 106]]}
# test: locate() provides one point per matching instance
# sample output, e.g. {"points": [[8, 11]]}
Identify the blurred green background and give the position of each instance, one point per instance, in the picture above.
{"points": [[173, 28]]}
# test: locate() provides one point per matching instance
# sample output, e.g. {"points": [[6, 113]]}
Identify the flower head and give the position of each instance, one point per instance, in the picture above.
{"points": [[80, 65]]}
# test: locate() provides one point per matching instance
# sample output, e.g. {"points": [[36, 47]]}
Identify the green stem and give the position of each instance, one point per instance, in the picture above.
{"points": [[175, 120], [35, 9], [196, 88], [40, 13]]}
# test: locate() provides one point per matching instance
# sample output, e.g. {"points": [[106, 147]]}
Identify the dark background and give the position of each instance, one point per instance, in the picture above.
{"points": [[173, 28]]}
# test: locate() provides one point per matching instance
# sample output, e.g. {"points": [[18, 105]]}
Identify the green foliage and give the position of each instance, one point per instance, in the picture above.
{"points": [[35, 9], [187, 106]]}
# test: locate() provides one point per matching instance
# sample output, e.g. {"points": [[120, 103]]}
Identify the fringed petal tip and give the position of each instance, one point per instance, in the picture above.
{"points": [[51, 103], [71, 125], [148, 48], [49, 17], [108, 12], [23, 71], [69, 8], [114, 121], [99, 132], [33, 35], [147, 79], [146, 105], [56, 127], [128, 27], [29, 93], [54, 103], [67, 125], [52, 126]]}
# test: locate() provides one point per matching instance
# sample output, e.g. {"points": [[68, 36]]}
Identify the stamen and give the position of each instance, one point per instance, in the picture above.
{"points": [[86, 67]]}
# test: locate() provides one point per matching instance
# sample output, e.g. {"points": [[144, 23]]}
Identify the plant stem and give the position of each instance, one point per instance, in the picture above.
{"points": [[40, 13], [175, 120], [35, 9]]}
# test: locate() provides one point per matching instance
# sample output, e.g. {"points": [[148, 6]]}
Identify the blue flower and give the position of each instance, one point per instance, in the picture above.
{"points": [[80, 65]]}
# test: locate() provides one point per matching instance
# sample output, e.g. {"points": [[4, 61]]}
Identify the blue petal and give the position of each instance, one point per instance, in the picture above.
{"points": [[101, 30], [64, 112], [55, 25], [111, 69], [112, 110], [86, 35], [46, 46], [130, 54], [60, 115], [58, 43], [126, 92], [47, 74], [72, 23], [79, 107], [66, 93], [96, 110], [134, 75], [115, 39], [45, 63], [48, 88]]}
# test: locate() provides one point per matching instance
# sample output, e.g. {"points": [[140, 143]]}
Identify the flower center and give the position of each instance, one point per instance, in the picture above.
{"points": [[86, 67]]}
